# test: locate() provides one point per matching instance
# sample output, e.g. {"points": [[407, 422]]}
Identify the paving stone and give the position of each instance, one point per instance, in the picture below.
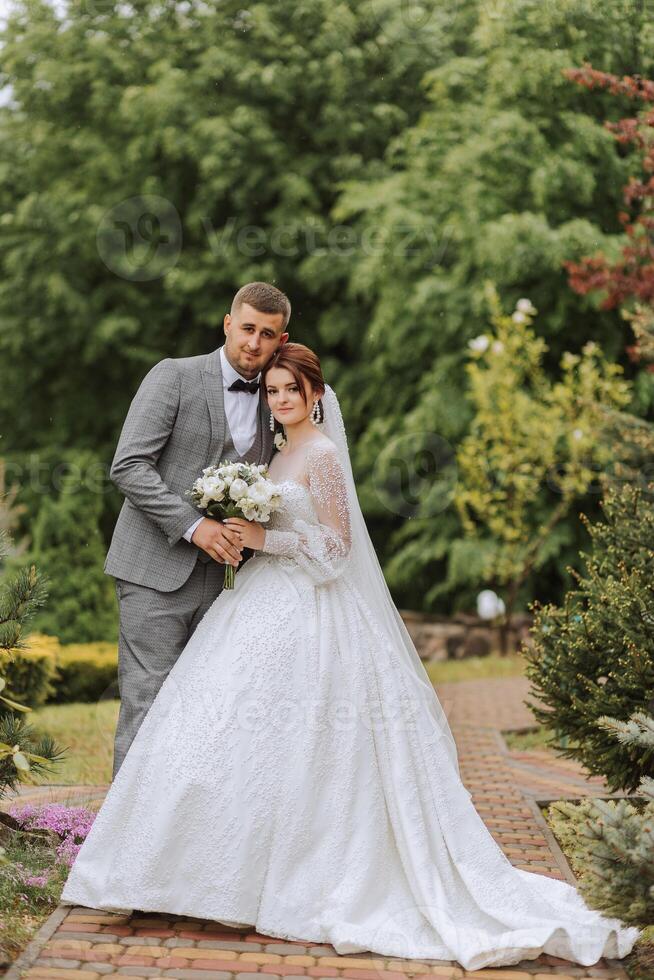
{"points": [[150, 941], [198, 975], [416, 966], [263, 958], [55, 973], [226, 966], [196, 953], [283, 969], [93, 937], [139, 971], [498, 974], [211, 964], [282, 948], [70, 944], [235, 945], [70, 964]]}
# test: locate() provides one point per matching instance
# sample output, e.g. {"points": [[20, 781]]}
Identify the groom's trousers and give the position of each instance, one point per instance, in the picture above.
{"points": [[154, 629]]}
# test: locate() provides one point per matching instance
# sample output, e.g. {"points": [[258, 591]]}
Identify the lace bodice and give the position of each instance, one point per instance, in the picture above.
{"points": [[297, 505], [313, 526]]}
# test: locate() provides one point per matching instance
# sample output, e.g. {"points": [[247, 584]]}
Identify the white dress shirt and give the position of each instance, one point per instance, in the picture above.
{"points": [[241, 410]]}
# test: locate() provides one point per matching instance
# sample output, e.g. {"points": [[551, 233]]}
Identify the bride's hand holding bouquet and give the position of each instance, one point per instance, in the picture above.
{"points": [[252, 533], [241, 497]]}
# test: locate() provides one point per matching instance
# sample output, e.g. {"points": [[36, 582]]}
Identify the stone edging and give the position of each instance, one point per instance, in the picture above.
{"points": [[33, 949]]}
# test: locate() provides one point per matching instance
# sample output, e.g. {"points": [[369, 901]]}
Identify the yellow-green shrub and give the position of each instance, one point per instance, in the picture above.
{"points": [[30, 672], [85, 671]]}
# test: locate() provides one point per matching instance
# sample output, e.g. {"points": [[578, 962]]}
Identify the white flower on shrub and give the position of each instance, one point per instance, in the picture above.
{"points": [[518, 317], [526, 306], [479, 344], [497, 347], [489, 604], [578, 433]]}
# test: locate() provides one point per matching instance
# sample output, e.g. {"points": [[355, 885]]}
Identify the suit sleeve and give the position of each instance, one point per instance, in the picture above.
{"points": [[145, 432]]}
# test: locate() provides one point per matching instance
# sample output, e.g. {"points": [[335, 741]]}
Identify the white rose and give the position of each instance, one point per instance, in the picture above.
{"points": [[248, 507], [216, 486], [479, 343], [498, 346], [518, 317], [238, 489], [257, 494]]}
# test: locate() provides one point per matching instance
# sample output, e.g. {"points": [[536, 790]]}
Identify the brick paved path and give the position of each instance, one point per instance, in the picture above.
{"points": [[83, 944]]}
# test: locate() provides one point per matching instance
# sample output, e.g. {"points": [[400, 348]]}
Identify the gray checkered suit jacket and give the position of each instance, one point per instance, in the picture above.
{"points": [[175, 427]]}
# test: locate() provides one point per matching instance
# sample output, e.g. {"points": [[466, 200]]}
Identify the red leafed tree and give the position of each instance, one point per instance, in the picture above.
{"points": [[630, 280]]}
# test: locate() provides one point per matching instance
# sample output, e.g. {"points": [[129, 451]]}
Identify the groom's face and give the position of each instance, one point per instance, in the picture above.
{"points": [[251, 339]]}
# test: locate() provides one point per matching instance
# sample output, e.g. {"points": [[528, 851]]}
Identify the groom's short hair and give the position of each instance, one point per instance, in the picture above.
{"points": [[265, 298]]}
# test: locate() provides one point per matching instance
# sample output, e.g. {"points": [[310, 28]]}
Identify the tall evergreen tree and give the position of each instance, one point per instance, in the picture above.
{"points": [[69, 549], [594, 655], [23, 754]]}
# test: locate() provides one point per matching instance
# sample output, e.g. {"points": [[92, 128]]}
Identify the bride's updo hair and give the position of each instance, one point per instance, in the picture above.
{"points": [[302, 362]]}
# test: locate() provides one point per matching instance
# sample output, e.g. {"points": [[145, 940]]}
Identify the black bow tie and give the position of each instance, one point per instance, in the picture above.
{"points": [[251, 387]]}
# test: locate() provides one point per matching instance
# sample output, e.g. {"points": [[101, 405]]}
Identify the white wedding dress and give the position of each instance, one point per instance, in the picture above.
{"points": [[296, 772]]}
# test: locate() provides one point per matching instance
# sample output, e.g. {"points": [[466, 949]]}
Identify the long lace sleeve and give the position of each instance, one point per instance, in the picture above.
{"points": [[322, 549]]}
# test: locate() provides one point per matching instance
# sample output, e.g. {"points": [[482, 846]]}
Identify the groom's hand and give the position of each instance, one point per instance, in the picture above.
{"points": [[222, 543]]}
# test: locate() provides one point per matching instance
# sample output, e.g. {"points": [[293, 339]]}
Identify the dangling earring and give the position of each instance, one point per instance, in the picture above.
{"points": [[315, 414], [272, 421]]}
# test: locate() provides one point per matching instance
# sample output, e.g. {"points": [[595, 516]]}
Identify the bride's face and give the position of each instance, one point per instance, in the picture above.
{"points": [[285, 398]]}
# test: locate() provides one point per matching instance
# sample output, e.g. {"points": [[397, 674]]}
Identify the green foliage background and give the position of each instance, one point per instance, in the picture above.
{"points": [[378, 161]]}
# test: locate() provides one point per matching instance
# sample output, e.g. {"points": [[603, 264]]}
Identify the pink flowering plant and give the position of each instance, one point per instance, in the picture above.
{"points": [[37, 867], [71, 824]]}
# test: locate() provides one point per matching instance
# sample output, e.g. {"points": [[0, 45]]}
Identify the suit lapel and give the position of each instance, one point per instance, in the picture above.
{"points": [[212, 379], [266, 434]]}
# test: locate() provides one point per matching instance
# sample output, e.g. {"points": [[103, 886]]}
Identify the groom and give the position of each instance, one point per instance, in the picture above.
{"points": [[188, 413]]}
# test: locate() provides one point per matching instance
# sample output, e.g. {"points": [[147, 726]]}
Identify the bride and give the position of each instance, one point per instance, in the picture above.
{"points": [[296, 772]]}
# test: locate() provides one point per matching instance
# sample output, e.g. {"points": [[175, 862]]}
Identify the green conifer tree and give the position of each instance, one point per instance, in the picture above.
{"points": [[594, 656], [69, 549]]}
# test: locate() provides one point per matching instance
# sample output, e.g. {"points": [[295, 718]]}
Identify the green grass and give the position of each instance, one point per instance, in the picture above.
{"points": [[474, 668], [536, 738], [24, 908], [87, 731]]}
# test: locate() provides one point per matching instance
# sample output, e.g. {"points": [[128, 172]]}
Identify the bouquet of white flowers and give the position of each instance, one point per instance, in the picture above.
{"points": [[235, 490]]}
